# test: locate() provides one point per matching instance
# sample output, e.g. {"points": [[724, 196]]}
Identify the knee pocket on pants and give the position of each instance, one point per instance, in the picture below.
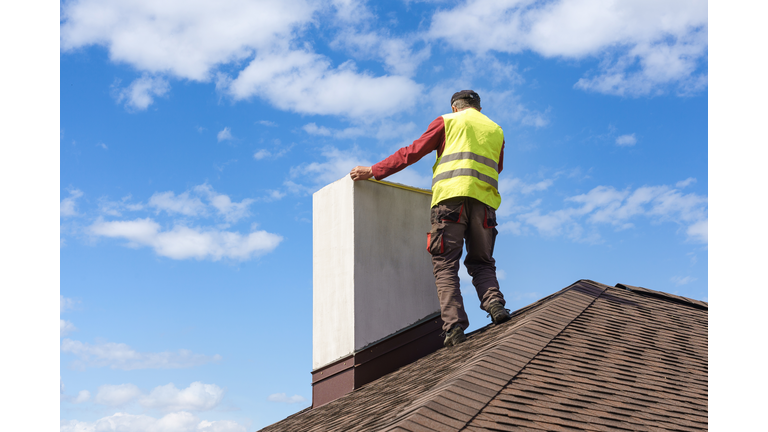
{"points": [[443, 239], [490, 218], [436, 240]]}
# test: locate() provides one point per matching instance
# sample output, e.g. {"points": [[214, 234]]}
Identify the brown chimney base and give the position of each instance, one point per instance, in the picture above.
{"points": [[376, 360]]}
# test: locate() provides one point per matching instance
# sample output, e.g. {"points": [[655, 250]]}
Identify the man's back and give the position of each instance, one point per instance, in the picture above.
{"points": [[469, 164], [471, 123]]}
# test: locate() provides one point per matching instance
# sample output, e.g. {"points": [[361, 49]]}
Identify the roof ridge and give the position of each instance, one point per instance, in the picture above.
{"points": [[522, 341], [537, 304], [663, 295]]}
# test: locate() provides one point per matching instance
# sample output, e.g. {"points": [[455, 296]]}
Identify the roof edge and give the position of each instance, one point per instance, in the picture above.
{"points": [[665, 296]]}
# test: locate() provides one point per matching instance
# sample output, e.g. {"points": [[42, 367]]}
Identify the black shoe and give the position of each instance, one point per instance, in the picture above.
{"points": [[454, 336], [497, 312]]}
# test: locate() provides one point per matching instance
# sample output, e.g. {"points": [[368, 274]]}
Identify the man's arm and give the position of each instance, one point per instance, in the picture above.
{"points": [[432, 139]]}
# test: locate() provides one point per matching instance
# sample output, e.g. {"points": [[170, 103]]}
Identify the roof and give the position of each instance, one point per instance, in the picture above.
{"points": [[589, 357]]}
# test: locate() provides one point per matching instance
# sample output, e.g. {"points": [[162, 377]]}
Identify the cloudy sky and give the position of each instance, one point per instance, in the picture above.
{"points": [[193, 134]]}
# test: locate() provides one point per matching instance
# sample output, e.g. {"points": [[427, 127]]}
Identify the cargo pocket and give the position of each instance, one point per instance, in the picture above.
{"points": [[435, 242], [446, 213], [490, 218]]}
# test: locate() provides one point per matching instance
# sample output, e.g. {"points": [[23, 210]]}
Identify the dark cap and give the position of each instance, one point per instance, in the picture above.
{"points": [[465, 94]]}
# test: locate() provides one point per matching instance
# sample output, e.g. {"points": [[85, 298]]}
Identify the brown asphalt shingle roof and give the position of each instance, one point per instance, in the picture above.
{"points": [[589, 357]]}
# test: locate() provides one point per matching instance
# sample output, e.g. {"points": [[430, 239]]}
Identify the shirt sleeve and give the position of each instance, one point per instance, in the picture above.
{"points": [[432, 139]]}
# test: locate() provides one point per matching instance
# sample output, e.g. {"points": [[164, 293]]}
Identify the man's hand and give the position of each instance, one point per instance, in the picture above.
{"points": [[361, 173]]}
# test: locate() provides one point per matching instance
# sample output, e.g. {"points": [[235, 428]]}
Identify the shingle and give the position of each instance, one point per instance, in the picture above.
{"points": [[441, 418], [590, 357], [412, 425], [469, 386], [448, 412], [453, 405]]}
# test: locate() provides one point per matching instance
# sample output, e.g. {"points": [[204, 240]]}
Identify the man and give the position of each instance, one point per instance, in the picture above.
{"points": [[465, 196]]}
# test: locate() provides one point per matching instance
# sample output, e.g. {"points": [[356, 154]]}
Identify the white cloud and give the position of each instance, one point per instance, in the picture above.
{"points": [[283, 398], [642, 44], [510, 189], [699, 231], [66, 304], [224, 135], [189, 205], [102, 145], [626, 140], [231, 211], [397, 54], [506, 104], [66, 328], [116, 395], [307, 83], [351, 11], [382, 130], [513, 227], [193, 40], [350, 132], [266, 123], [671, 204], [196, 397], [649, 66], [180, 38], [355, 21], [274, 154], [182, 204], [179, 240], [618, 208], [122, 356], [115, 208], [679, 280], [685, 183], [338, 163], [262, 154], [182, 242], [274, 195], [313, 129], [512, 185], [550, 224], [68, 206], [82, 396], [173, 422], [140, 94]]}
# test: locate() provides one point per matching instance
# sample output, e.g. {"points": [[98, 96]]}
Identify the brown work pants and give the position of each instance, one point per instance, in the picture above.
{"points": [[453, 221]]}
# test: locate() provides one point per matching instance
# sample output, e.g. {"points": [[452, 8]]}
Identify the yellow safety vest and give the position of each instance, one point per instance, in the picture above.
{"points": [[469, 165]]}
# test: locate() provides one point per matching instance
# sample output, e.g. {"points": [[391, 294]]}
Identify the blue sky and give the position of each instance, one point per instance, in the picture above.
{"points": [[192, 137]]}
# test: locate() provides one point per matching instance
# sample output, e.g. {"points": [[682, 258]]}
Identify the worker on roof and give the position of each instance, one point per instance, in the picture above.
{"points": [[465, 196]]}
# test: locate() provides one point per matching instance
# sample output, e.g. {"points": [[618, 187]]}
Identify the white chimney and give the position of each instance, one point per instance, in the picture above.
{"points": [[373, 285]]}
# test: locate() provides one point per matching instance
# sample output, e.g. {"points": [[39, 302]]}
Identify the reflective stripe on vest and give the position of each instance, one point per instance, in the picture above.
{"points": [[465, 172], [469, 163], [469, 155]]}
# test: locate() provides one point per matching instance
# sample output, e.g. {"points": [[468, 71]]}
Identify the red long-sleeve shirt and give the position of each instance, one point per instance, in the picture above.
{"points": [[432, 139]]}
